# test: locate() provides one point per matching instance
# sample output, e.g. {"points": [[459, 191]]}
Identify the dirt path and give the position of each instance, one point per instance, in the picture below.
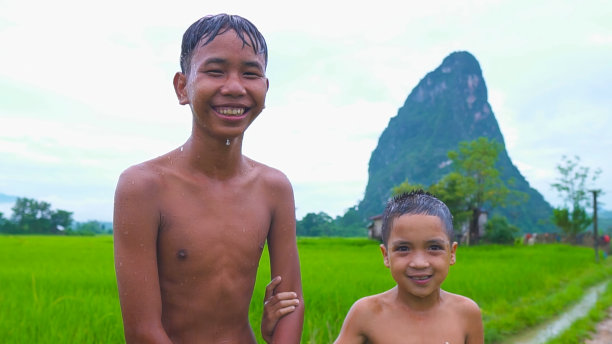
{"points": [[544, 332], [603, 334]]}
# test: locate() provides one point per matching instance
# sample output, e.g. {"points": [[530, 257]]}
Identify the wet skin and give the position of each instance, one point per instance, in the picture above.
{"points": [[418, 255], [190, 226]]}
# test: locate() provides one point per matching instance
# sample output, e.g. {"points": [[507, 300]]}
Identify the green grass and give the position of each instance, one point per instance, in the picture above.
{"points": [[58, 290], [62, 289]]}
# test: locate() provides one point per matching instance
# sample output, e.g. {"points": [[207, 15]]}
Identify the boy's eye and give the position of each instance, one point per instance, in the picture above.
{"points": [[436, 247], [252, 75], [214, 72], [402, 248]]}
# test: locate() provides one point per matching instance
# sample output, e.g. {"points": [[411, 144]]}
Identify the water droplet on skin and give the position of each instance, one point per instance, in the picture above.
{"points": [[181, 148]]}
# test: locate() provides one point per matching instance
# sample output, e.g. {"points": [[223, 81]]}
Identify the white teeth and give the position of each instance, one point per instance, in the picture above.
{"points": [[420, 278], [230, 111]]}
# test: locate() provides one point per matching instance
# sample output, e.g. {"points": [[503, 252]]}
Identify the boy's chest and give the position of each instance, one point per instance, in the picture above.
{"points": [[440, 330], [201, 227]]}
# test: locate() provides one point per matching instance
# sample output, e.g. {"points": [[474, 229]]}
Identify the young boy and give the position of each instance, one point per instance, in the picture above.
{"points": [[418, 248], [190, 226]]}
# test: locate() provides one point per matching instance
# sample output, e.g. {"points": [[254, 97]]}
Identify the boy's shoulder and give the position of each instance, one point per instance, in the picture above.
{"points": [[146, 169], [372, 305], [463, 305], [267, 174], [144, 177]]}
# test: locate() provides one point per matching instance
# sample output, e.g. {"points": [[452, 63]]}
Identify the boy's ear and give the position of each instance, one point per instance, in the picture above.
{"points": [[453, 250], [180, 87], [385, 254]]}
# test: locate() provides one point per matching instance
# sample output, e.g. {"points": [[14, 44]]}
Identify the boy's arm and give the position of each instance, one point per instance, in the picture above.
{"points": [[352, 328], [475, 330], [135, 225], [284, 259]]}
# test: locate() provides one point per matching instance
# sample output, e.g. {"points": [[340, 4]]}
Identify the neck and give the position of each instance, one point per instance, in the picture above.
{"points": [[213, 156], [419, 304]]}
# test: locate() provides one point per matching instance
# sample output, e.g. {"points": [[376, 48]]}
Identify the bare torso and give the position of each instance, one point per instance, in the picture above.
{"points": [[382, 319], [210, 237]]}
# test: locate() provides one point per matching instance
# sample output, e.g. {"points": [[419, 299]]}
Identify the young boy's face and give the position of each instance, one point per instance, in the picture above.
{"points": [[419, 254], [226, 86]]}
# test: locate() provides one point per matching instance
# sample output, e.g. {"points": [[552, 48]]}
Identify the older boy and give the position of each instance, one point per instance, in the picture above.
{"points": [[418, 248], [190, 225]]}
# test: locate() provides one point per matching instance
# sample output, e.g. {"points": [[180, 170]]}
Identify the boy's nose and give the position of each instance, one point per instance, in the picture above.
{"points": [[233, 86], [419, 261]]}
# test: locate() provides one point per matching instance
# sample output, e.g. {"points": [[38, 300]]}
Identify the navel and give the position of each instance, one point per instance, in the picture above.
{"points": [[181, 254]]}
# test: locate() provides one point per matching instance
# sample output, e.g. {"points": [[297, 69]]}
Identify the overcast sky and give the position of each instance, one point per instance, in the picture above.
{"points": [[86, 89]]}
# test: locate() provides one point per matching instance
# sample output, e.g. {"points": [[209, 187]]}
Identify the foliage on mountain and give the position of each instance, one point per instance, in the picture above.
{"points": [[572, 186], [449, 105]]}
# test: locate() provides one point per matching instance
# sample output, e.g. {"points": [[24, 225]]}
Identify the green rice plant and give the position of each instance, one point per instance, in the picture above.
{"points": [[58, 290], [63, 289]]}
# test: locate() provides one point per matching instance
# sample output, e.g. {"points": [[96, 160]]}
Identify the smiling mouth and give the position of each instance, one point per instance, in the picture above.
{"points": [[231, 111], [420, 278]]}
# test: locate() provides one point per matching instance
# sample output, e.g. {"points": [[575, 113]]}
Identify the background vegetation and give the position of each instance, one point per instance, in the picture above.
{"points": [[30, 216]]}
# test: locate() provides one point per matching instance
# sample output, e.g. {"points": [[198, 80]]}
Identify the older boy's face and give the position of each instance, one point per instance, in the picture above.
{"points": [[226, 86], [418, 254]]}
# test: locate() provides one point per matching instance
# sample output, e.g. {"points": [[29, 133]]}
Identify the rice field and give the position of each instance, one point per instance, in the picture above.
{"points": [[62, 289]]}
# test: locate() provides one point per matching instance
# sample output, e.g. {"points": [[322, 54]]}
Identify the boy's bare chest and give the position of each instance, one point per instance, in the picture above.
{"points": [[434, 330], [200, 225]]}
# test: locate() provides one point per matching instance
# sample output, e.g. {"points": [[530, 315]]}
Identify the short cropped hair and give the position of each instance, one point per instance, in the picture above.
{"points": [[416, 202], [207, 28]]}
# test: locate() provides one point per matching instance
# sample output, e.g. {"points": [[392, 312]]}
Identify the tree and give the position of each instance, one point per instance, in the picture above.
{"points": [[572, 186], [452, 190], [475, 162], [32, 216], [315, 224], [89, 228], [61, 219], [4, 224], [474, 184], [499, 231], [350, 224]]}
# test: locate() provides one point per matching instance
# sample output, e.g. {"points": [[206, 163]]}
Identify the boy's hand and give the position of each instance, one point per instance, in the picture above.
{"points": [[276, 306]]}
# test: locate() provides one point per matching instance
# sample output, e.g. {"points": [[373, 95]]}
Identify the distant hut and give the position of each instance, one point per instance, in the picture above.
{"points": [[375, 227]]}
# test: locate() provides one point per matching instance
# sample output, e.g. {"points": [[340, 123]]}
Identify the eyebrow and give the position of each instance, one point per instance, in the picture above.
{"points": [[400, 242], [219, 60], [429, 242], [437, 241]]}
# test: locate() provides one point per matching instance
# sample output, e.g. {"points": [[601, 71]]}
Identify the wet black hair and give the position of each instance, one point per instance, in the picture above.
{"points": [[205, 29], [416, 202]]}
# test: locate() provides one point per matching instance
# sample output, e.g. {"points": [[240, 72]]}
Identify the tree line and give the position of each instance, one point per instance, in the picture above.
{"points": [[31, 216]]}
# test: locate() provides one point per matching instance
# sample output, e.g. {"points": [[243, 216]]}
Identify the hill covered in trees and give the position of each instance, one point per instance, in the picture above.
{"points": [[448, 106]]}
